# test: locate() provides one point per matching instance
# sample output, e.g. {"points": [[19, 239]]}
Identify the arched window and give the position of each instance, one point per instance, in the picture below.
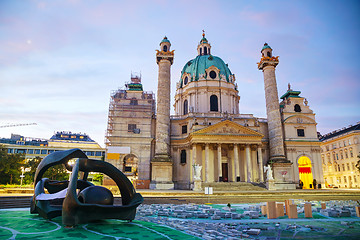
{"points": [[214, 103], [165, 48], [186, 80], [205, 50], [200, 51], [185, 107], [183, 156], [268, 54], [297, 108]]}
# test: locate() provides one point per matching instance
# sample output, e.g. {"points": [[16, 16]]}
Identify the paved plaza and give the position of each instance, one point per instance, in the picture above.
{"points": [[195, 221]]}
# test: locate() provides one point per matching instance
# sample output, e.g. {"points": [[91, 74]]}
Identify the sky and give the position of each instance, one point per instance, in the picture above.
{"points": [[60, 59]]}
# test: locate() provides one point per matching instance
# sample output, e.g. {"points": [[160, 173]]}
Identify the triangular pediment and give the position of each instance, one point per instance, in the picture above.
{"points": [[228, 127]]}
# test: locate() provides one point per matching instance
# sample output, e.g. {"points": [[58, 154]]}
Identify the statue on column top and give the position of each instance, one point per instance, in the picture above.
{"points": [[268, 171]]}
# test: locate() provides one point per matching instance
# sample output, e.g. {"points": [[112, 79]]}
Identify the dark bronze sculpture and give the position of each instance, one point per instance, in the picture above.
{"points": [[92, 202]]}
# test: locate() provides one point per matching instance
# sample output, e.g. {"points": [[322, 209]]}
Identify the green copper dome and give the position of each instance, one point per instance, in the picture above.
{"points": [[266, 46], [165, 40], [197, 66]]}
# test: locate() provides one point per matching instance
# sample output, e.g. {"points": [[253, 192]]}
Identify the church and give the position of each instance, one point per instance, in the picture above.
{"points": [[208, 142]]}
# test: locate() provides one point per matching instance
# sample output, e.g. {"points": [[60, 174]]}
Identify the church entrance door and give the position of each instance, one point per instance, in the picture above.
{"points": [[305, 172], [225, 172]]}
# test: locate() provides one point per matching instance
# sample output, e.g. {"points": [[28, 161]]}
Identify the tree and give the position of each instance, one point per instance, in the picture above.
{"points": [[32, 164], [10, 166]]}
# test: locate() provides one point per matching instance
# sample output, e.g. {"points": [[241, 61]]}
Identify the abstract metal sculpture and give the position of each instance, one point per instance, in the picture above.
{"points": [[93, 202]]}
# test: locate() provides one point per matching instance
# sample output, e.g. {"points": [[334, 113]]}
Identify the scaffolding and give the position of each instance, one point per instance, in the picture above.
{"points": [[127, 105]]}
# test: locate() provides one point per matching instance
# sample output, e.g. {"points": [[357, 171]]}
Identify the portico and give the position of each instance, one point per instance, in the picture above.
{"points": [[227, 152]]}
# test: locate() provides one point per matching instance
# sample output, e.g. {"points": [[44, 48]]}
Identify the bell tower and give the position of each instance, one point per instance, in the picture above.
{"points": [[161, 164]]}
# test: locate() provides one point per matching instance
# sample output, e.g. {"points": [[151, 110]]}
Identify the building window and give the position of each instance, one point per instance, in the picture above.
{"points": [[335, 168], [98, 154], [341, 155], [214, 103], [186, 107], [327, 148], [37, 151], [348, 166], [346, 154], [300, 132], [337, 156], [297, 108], [10, 150], [353, 166], [183, 156], [212, 74], [131, 127], [268, 54], [30, 151], [205, 50], [345, 179], [349, 141], [127, 169], [351, 152], [344, 143], [184, 129], [133, 102], [343, 167], [165, 48], [355, 179], [185, 80], [339, 168], [334, 156]]}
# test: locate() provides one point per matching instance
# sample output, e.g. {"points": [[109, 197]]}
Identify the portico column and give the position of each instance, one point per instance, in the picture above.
{"points": [[248, 162], [261, 164], [193, 160], [237, 169], [219, 163], [206, 162]]}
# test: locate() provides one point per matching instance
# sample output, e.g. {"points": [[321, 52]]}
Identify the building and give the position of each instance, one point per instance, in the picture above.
{"points": [[59, 141], [339, 154], [208, 132]]}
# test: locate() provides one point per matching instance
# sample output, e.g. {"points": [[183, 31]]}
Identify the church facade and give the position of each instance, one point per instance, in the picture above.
{"points": [[208, 140]]}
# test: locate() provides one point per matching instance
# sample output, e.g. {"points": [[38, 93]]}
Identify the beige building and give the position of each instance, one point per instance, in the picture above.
{"points": [[208, 131], [60, 141], [339, 154]]}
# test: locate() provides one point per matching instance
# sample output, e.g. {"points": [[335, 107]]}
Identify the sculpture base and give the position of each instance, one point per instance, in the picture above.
{"points": [[162, 185], [270, 185], [197, 186]]}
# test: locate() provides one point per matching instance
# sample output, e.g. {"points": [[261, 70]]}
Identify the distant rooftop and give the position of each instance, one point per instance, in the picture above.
{"points": [[340, 132], [69, 136]]}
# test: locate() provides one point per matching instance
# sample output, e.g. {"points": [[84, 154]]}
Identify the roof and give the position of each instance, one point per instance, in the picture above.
{"points": [[266, 46], [165, 40], [198, 65], [290, 93], [340, 132], [71, 136]]}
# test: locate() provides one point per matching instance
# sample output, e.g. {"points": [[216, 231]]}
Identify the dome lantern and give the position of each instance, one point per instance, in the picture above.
{"points": [[204, 46]]}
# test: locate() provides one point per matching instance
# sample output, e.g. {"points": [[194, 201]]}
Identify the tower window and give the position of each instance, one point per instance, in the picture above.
{"points": [[268, 54], [183, 156], [185, 107], [205, 50], [184, 129], [212, 74], [200, 51], [165, 48], [133, 102], [214, 103], [185, 80], [297, 108], [300, 132], [131, 127]]}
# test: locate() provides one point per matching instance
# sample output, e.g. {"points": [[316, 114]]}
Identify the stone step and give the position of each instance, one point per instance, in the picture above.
{"points": [[234, 186]]}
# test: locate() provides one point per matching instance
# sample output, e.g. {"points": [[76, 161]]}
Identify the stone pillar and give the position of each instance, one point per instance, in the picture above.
{"points": [[207, 159], [219, 163], [276, 141], [191, 162], [261, 164], [248, 162], [236, 158], [161, 164]]}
